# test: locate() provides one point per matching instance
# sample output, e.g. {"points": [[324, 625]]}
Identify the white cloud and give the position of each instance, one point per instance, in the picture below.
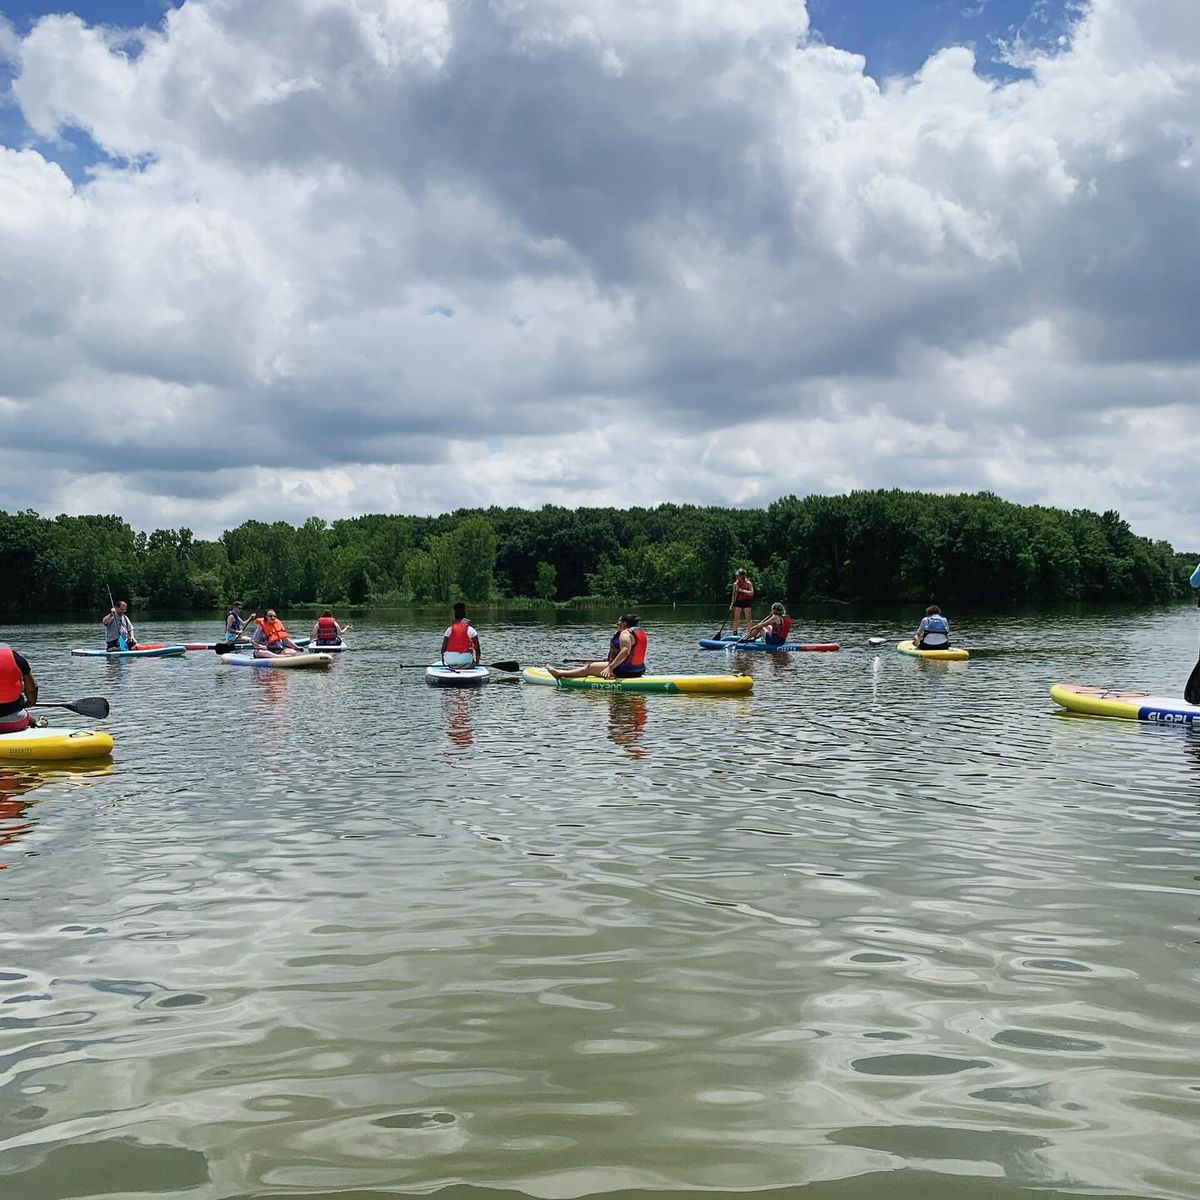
{"points": [[427, 255]]}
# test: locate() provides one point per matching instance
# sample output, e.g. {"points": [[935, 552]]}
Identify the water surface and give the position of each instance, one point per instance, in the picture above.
{"points": [[884, 924]]}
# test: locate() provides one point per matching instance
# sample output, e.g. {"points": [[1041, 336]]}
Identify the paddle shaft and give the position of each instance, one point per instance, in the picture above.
{"points": [[508, 664], [1191, 689]]}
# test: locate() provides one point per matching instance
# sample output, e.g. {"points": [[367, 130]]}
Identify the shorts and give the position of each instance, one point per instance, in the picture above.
{"points": [[627, 672], [15, 722], [458, 658]]}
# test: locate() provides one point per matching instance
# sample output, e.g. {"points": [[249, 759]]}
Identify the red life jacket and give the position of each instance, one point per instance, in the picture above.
{"points": [[327, 630], [637, 655], [459, 641], [12, 682], [782, 631]]}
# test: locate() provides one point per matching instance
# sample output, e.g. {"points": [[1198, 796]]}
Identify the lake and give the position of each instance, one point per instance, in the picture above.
{"points": [[884, 926]]}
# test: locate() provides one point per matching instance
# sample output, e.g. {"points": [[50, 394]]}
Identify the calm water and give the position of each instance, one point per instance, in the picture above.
{"points": [[884, 925]]}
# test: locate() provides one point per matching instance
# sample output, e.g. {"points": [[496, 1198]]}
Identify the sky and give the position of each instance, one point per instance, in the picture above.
{"points": [[328, 257]]}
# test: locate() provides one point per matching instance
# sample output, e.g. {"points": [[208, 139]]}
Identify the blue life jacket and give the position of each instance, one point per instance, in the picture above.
{"points": [[937, 628]]}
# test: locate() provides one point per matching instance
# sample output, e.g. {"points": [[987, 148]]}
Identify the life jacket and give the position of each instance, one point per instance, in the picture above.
{"points": [[779, 633], [236, 627], [12, 682], [743, 589], [459, 641], [637, 652], [274, 631], [937, 628], [327, 630]]}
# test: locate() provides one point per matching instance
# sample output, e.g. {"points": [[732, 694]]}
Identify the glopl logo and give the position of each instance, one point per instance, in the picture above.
{"points": [[1167, 718]]}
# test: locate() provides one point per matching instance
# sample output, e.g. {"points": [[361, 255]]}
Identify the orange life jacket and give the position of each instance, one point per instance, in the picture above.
{"points": [[274, 631]]}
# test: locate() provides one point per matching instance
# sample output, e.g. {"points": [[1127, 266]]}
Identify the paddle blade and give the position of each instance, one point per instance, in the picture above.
{"points": [[227, 647], [509, 664], [90, 706], [1191, 690]]}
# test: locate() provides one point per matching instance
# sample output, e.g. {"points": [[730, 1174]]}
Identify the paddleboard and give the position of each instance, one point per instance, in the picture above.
{"points": [[726, 644], [440, 676], [671, 684], [144, 650], [317, 648], [295, 662], [54, 745], [1128, 706], [953, 654]]}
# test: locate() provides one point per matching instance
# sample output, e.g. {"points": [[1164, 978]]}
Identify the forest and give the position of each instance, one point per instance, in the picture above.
{"points": [[864, 546]]}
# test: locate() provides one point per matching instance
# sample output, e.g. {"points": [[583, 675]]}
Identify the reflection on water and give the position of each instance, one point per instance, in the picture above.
{"points": [[884, 926], [627, 723]]}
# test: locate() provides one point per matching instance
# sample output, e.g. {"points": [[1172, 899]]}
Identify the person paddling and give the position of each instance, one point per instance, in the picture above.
{"points": [[460, 642], [326, 631], [271, 638], [774, 627], [626, 655], [118, 630], [739, 602], [18, 688], [933, 633], [234, 622]]}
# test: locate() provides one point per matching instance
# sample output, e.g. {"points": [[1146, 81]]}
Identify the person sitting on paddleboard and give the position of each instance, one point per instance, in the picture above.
{"points": [[933, 633], [326, 631], [118, 631], [774, 627], [18, 688], [234, 622], [460, 642], [271, 638], [626, 655], [739, 602]]}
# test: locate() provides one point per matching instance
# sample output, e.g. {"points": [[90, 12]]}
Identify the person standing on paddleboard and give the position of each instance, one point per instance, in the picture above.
{"points": [[626, 655], [118, 630], [933, 633], [739, 601], [460, 642], [271, 638], [18, 688]]}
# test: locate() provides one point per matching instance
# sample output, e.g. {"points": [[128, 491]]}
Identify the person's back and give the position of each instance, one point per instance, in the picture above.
{"points": [[327, 632], [933, 633], [460, 641]]}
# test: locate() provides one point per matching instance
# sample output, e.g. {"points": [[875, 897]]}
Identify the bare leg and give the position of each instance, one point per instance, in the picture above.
{"points": [[592, 668]]}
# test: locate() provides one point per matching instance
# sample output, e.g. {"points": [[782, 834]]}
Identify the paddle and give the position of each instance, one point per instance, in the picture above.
{"points": [[716, 637], [88, 706]]}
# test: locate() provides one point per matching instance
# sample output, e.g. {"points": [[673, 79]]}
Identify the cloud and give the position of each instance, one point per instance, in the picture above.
{"points": [[410, 255]]}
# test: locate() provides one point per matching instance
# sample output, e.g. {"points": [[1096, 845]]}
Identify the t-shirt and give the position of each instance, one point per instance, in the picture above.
{"points": [[119, 627], [472, 632], [933, 637]]}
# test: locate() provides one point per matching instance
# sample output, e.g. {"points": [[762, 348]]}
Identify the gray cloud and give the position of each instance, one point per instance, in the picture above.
{"points": [[440, 254]]}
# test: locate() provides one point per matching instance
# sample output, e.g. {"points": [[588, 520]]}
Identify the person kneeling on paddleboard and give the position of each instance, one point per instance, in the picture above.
{"points": [[933, 633], [118, 631], [326, 631], [774, 627], [460, 642], [271, 638], [17, 689], [626, 655]]}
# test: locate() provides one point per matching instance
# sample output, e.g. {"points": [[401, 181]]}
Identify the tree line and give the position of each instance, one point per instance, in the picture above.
{"points": [[882, 546]]}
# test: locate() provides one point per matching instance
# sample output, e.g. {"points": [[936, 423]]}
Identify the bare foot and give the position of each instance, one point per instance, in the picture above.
{"points": [[554, 671]]}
